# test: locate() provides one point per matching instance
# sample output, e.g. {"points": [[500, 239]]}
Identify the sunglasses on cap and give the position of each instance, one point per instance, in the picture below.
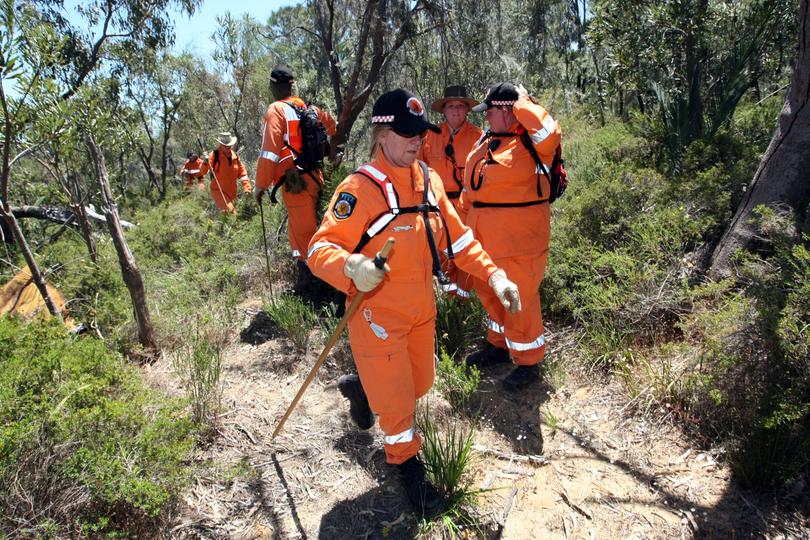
{"points": [[421, 134]]}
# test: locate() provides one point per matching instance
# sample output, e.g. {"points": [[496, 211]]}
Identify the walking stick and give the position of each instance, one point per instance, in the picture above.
{"points": [[379, 262], [266, 256]]}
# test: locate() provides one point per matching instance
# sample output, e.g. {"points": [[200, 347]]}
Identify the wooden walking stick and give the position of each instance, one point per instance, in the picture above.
{"points": [[379, 262]]}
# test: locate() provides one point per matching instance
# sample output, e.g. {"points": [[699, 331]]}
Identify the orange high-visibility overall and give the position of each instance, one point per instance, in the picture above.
{"points": [[193, 172], [450, 167], [224, 178], [392, 332], [281, 135], [503, 208]]}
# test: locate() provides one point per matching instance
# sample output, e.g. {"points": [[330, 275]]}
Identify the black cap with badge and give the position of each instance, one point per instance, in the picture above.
{"points": [[503, 94], [402, 111], [281, 74]]}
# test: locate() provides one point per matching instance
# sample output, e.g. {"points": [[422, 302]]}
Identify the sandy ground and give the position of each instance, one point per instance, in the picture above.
{"points": [[570, 462]]}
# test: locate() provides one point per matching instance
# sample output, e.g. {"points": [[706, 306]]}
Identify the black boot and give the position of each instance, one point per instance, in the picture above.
{"points": [[350, 387], [423, 496], [489, 354], [303, 282], [521, 377]]}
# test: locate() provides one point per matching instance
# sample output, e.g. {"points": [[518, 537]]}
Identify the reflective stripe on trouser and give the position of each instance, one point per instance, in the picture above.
{"points": [[523, 331], [395, 372], [301, 219]]}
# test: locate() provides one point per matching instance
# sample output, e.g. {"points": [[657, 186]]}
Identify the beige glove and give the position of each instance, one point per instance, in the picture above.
{"points": [[294, 183], [364, 272], [505, 290]]}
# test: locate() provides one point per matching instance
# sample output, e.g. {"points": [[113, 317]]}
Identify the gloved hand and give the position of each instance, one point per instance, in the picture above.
{"points": [[364, 272], [294, 183], [258, 193], [505, 290]]}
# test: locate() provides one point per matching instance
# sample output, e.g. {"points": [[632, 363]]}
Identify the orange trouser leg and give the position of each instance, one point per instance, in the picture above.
{"points": [[301, 217], [221, 199], [395, 372], [521, 333]]}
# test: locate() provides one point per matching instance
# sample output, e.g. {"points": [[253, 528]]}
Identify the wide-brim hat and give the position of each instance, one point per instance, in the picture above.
{"points": [[453, 93], [403, 111], [500, 94], [225, 138]]}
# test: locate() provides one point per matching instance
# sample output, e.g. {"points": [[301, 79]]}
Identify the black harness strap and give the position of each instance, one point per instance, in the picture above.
{"points": [[482, 204]]}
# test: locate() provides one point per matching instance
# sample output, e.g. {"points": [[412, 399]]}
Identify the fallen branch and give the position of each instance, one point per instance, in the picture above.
{"points": [[533, 459]]}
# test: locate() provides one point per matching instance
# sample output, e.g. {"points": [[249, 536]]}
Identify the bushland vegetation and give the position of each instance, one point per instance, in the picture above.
{"points": [[666, 115]]}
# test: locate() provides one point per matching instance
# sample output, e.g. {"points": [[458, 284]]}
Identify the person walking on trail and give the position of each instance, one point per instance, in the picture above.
{"points": [[392, 333], [506, 202], [446, 153], [226, 170], [284, 162], [193, 172]]}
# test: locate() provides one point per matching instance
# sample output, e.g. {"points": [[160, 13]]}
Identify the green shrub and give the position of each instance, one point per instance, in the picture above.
{"points": [[458, 323], [456, 381], [82, 439], [295, 317]]}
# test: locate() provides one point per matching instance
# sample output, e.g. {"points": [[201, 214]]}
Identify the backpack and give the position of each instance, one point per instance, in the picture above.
{"points": [[557, 176], [314, 140]]}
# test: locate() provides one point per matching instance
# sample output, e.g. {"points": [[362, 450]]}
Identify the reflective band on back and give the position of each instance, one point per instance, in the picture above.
{"points": [[404, 437], [290, 114], [517, 346], [318, 245], [267, 154], [495, 327], [296, 253], [463, 241], [192, 171], [380, 224]]}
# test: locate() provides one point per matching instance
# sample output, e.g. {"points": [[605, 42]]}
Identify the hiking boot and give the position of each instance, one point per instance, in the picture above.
{"points": [[350, 387], [521, 377], [423, 496], [489, 354]]}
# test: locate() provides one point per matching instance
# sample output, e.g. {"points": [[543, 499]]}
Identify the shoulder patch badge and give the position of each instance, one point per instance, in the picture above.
{"points": [[344, 205]]}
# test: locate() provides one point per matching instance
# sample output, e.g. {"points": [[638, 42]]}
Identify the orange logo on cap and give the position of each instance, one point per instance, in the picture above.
{"points": [[415, 107]]}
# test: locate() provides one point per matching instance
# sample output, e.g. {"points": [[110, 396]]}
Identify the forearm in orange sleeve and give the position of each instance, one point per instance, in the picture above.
{"points": [[328, 122], [542, 128], [272, 144], [468, 252]]}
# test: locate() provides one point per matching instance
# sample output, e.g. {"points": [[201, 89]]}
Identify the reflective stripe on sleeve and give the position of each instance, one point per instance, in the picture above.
{"points": [[192, 171], [495, 327], [517, 346], [267, 154], [296, 253], [549, 125], [318, 245], [463, 241], [404, 437]]}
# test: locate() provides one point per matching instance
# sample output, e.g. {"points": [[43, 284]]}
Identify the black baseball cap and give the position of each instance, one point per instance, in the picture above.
{"points": [[497, 95], [281, 74], [403, 111]]}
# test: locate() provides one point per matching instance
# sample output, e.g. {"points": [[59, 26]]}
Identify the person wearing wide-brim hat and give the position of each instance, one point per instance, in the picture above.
{"points": [[446, 152], [507, 202], [226, 170], [392, 333]]}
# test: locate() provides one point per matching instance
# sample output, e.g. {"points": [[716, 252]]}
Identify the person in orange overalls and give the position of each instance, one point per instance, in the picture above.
{"points": [[281, 144], [392, 333], [193, 172], [446, 153], [226, 170], [506, 204]]}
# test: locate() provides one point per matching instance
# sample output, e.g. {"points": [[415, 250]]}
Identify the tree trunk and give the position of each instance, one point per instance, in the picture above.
{"points": [[129, 269], [783, 176]]}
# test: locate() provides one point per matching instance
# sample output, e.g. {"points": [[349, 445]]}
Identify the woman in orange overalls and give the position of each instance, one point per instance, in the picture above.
{"points": [[226, 170], [392, 333], [506, 204]]}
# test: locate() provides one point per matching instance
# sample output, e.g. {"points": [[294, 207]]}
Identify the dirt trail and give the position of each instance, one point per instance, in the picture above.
{"points": [[604, 473]]}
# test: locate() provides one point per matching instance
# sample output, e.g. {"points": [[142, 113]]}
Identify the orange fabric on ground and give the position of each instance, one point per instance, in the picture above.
{"points": [[225, 175], [516, 238], [193, 173], [281, 128], [393, 331], [433, 153]]}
